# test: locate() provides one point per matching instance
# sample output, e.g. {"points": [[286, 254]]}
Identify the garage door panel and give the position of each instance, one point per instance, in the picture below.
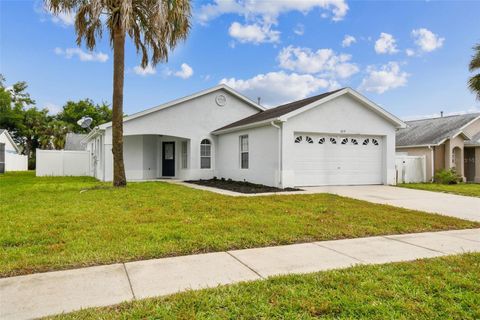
{"points": [[337, 164]]}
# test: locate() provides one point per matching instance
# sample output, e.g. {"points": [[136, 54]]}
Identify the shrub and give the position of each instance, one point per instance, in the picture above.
{"points": [[447, 177]]}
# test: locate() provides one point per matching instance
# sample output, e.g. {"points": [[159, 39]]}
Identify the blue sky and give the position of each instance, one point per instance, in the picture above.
{"points": [[411, 57]]}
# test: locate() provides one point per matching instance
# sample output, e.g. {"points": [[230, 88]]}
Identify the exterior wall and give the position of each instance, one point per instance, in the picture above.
{"points": [[477, 165], [343, 116], [263, 153], [192, 120], [439, 157], [13, 160], [450, 145], [423, 152]]}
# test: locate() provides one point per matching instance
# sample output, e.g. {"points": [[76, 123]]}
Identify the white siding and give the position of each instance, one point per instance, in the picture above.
{"points": [[343, 116], [263, 148], [192, 120], [13, 160]]}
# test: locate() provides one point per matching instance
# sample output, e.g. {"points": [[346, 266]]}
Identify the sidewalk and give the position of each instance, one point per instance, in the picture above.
{"points": [[43, 294]]}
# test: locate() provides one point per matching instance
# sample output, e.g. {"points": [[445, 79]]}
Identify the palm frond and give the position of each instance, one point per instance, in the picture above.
{"points": [[474, 85], [475, 62]]}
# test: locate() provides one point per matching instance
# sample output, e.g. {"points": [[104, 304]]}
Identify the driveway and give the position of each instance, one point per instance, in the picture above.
{"points": [[435, 202]]}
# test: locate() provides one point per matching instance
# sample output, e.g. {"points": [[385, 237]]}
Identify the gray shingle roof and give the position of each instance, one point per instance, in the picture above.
{"points": [[72, 141], [432, 131], [277, 111]]}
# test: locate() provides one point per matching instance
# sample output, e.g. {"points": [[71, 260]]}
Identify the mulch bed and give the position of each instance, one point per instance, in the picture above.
{"points": [[239, 186]]}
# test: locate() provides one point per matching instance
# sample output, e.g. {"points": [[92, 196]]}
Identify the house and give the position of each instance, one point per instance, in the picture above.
{"points": [[10, 157], [336, 138], [73, 142], [446, 142]]}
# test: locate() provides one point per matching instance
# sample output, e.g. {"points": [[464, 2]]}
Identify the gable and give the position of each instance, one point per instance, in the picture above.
{"points": [[341, 114], [192, 117], [220, 88], [10, 145]]}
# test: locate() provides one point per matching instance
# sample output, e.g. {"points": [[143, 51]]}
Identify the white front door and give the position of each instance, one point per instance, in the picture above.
{"points": [[331, 159]]}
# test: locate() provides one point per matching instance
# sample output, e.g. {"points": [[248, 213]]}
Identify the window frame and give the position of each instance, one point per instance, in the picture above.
{"points": [[246, 152], [204, 144]]}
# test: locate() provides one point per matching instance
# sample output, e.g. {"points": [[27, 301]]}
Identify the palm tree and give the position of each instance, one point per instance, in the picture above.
{"points": [[474, 81], [155, 26]]}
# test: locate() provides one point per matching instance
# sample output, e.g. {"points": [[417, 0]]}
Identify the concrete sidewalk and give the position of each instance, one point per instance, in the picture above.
{"points": [[43, 294]]}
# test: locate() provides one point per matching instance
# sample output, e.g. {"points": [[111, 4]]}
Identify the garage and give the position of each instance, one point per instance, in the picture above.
{"points": [[329, 159]]}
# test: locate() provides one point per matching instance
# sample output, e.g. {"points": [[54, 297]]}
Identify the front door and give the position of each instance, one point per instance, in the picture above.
{"points": [[168, 159], [469, 159]]}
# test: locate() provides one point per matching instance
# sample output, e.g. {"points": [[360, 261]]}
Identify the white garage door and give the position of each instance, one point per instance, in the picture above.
{"points": [[337, 160]]}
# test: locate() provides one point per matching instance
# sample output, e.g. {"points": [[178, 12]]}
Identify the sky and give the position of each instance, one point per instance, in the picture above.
{"points": [[410, 57]]}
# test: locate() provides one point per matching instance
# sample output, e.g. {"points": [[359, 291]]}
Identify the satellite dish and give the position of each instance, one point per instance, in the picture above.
{"points": [[85, 122]]}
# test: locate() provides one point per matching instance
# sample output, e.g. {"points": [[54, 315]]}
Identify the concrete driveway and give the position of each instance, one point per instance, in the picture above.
{"points": [[435, 202]]}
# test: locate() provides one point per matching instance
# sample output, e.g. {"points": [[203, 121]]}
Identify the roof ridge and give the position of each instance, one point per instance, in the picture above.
{"points": [[449, 116]]}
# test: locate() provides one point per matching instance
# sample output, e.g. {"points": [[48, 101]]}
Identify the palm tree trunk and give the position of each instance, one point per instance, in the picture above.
{"points": [[119, 179]]}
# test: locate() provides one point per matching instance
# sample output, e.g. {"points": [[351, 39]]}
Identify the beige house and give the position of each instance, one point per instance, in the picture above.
{"points": [[446, 142]]}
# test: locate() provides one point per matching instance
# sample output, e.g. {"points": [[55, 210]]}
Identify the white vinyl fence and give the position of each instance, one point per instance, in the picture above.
{"points": [[411, 169], [62, 163], [15, 162]]}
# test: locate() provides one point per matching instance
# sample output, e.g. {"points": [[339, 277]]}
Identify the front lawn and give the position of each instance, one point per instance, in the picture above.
{"points": [[64, 222], [440, 288], [464, 189]]}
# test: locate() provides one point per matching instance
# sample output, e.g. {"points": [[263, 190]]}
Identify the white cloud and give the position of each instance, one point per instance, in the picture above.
{"points": [[276, 88], [380, 80], [64, 18], [185, 71], [299, 29], [52, 108], [82, 55], [147, 71], [410, 52], [386, 44], [269, 11], [426, 40], [324, 61], [253, 33], [348, 40]]}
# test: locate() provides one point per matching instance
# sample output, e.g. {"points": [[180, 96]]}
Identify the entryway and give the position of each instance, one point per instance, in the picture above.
{"points": [[168, 159]]}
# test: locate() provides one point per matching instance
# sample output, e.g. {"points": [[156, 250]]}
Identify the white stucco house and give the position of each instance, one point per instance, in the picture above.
{"points": [[336, 138], [10, 157]]}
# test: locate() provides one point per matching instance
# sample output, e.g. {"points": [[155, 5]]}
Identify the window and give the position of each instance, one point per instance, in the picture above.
{"points": [[298, 139], [184, 155], [375, 142], [365, 142], [205, 154], [308, 139], [333, 141], [244, 152], [354, 141], [321, 141], [344, 140]]}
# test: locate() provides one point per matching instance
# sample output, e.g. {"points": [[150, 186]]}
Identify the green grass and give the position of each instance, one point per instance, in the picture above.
{"points": [[440, 288], [464, 189], [58, 223]]}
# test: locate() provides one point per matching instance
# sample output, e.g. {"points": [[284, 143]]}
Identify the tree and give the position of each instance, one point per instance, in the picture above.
{"points": [[155, 26], [474, 81], [73, 111]]}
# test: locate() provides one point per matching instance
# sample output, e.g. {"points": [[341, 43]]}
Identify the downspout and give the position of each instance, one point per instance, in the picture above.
{"points": [[280, 144], [433, 162]]}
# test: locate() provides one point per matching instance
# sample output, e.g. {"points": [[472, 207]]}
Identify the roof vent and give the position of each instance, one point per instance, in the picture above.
{"points": [[259, 99], [441, 114]]}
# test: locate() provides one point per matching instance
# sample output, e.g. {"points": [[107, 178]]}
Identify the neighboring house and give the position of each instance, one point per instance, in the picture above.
{"points": [[73, 142], [10, 157], [446, 142], [336, 138]]}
